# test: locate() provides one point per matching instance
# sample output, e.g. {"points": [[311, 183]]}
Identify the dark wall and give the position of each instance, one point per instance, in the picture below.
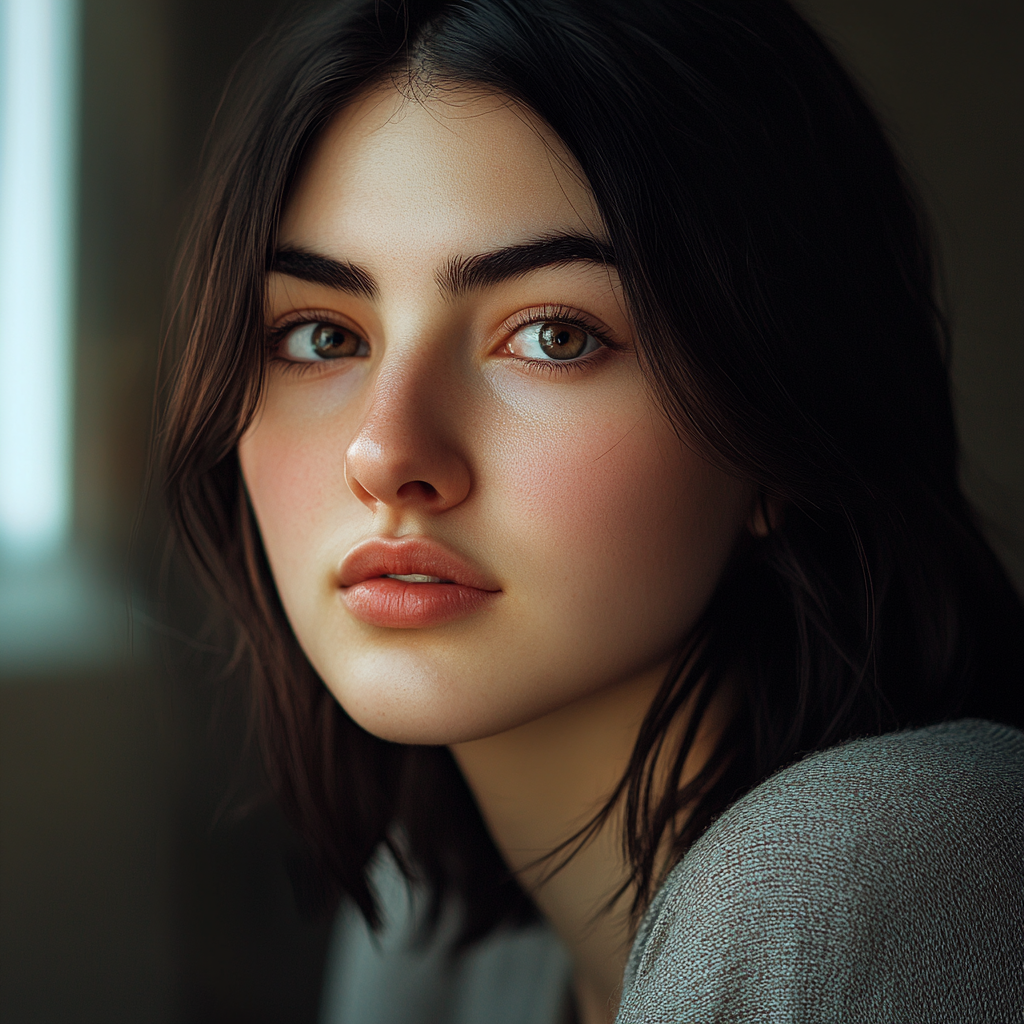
{"points": [[127, 891], [946, 77], [131, 888]]}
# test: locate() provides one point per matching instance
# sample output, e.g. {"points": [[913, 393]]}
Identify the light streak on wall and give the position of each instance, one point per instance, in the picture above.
{"points": [[38, 103]]}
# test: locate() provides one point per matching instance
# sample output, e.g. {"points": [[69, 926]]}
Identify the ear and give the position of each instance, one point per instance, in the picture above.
{"points": [[765, 515]]}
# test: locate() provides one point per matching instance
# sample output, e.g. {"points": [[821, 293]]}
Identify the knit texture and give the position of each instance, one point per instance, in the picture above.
{"points": [[878, 881]]}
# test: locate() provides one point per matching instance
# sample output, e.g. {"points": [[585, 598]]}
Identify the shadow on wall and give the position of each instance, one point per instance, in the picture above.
{"points": [[126, 893], [945, 76]]}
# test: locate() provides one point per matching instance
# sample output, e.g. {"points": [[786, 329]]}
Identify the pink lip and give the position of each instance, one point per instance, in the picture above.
{"points": [[380, 601]]}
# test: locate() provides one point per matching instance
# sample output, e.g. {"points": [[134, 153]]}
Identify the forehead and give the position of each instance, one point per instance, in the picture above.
{"points": [[453, 170]]}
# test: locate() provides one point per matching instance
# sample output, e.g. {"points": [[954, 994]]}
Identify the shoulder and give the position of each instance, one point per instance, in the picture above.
{"points": [[880, 880]]}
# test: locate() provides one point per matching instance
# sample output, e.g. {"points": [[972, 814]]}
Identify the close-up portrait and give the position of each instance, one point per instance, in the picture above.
{"points": [[536, 518]]}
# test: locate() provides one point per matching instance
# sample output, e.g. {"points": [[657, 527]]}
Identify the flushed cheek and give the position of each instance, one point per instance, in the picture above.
{"points": [[590, 486], [621, 521], [292, 461]]}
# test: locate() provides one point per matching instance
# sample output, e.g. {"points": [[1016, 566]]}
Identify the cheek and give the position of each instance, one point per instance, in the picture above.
{"points": [[622, 521], [286, 481], [292, 461], [580, 489]]}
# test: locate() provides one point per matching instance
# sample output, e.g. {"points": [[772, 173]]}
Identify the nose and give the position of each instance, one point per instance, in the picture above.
{"points": [[405, 454]]}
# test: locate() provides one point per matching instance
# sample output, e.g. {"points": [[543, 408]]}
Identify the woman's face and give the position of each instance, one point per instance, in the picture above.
{"points": [[455, 399]]}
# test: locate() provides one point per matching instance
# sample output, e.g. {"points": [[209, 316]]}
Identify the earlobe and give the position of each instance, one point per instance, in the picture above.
{"points": [[765, 515]]}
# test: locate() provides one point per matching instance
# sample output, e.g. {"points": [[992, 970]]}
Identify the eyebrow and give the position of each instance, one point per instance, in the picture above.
{"points": [[462, 273], [317, 269]]}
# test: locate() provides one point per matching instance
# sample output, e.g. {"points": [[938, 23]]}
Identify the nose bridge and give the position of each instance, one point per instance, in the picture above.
{"points": [[404, 450], [403, 403]]}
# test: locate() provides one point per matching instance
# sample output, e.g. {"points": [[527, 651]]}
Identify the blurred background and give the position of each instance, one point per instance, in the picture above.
{"points": [[132, 886]]}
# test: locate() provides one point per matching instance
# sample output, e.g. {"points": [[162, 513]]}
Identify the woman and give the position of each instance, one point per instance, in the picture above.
{"points": [[563, 415]]}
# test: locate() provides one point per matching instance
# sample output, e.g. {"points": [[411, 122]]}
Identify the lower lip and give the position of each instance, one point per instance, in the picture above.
{"points": [[399, 605]]}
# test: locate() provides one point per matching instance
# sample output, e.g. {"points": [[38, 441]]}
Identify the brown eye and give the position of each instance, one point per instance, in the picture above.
{"points": [[320, 341], [562, 341], [332, 342], [552, 340]]}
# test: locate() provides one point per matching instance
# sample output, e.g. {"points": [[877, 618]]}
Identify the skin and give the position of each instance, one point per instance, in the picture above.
{"points": [[567, 488]]}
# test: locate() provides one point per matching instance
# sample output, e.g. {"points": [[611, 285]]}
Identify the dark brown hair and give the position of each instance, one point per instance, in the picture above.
{"points": [[779, 276]]}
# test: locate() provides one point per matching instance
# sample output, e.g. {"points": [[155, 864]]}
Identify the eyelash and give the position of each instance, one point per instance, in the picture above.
{"points": [[562, 315], [275, 335], [545, 314]]}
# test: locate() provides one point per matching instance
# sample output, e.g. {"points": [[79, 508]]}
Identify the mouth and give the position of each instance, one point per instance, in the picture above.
{"points": [[414, 577], [410, 583], [415, 560]]}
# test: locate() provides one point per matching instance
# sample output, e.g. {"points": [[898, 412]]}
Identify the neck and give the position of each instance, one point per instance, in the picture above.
{"points": [[537, 784]]}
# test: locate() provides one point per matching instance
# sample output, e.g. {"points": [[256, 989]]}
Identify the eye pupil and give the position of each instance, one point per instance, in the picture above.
{"points": [[331, 342], [562, 341]]}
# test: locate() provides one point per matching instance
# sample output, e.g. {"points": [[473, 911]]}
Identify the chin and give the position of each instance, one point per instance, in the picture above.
{"points": [[426, 724], [414, 704], [406, 699]]}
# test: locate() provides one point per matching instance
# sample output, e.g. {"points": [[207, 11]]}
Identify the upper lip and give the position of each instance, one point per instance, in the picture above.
{"points": [[403, 556]]}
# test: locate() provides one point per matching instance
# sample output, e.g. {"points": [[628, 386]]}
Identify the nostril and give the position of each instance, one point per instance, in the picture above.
{"points": [[417, 489]]}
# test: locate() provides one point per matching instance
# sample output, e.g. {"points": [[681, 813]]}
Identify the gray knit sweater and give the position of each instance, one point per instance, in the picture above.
{"points": [[881, 880]]}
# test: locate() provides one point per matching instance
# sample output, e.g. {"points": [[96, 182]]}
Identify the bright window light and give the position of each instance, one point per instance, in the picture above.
{"points": [[37, 135]]}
